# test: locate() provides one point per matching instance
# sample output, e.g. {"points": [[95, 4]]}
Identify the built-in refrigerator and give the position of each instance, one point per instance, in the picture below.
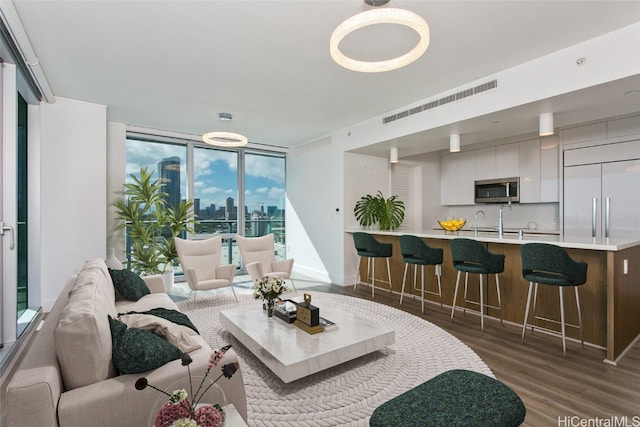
{"points": [[602, 199]]}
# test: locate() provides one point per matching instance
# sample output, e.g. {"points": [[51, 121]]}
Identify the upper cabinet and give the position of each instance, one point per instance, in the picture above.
{"points": [[535, 161], [550, 170], [529, 159], [485, 161], [507, 160], [457, 176]]}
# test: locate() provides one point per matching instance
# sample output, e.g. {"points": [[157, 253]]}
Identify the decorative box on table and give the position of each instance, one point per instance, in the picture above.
{"points": [[286, 310], [308, 316]]}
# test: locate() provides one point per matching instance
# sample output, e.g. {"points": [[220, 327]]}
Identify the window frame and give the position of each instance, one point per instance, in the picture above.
{"points": [[192, 143]]}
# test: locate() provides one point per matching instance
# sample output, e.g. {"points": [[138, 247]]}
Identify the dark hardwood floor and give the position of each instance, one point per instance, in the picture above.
{"points": [[556, 390]]}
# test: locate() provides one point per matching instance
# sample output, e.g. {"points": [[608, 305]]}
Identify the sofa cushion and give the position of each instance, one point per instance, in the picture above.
{"points": [[137, 350], [146, 303], [128, 284], [106, 285], [181, 336], [82, 335]]}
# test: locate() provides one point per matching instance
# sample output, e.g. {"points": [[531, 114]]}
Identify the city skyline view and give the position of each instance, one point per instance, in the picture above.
{"points": [[216, 174]]}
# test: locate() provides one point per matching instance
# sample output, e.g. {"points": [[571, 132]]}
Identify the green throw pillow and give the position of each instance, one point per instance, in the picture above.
{"points": [[137, 350], [129, 284]]}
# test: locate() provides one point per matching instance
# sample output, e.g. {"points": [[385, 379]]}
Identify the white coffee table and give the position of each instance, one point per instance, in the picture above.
{"points": [[292, 353]]}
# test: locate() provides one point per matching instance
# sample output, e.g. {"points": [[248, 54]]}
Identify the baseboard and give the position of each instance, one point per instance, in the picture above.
{"points": [[624, 352], [317, 275]]}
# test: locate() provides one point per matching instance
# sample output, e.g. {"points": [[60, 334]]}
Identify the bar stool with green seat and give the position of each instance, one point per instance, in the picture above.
{"points": [[415, 251], [471, 256], [367, 246], [551, 265]]}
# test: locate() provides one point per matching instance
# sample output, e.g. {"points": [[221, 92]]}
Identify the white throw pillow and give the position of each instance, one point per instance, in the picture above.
{"points": [[178, 335]]}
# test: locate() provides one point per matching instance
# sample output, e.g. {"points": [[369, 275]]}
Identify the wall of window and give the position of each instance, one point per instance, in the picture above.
{"points": [[234, 191]]}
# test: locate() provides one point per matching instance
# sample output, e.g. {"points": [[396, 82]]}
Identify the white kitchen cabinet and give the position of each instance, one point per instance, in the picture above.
{"points": [[602, 197], [457, 178], [508, 160], [529, 161], [485, 163], [550, 170], [535, 161], [539, 175]]}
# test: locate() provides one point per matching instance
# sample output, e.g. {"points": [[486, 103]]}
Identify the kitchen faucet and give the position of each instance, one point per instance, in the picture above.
{"points": [[500, 222], [475, 222]]}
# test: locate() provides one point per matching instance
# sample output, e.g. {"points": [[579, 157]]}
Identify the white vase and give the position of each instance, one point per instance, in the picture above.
{"points": [[168, 279], [112, 261]]}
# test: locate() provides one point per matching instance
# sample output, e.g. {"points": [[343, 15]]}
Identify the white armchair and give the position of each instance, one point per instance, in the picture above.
{"points": [[258, 256], [201, 262]]}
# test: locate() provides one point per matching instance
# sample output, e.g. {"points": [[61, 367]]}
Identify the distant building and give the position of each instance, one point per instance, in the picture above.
{"points": [[169, 173], [229, 212], [196, 207]]}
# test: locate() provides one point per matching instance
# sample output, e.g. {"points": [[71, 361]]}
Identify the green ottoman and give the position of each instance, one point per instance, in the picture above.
{"points": [[453, 398]]}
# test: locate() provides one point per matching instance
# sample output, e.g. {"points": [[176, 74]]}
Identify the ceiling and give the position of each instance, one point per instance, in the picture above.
{"points": [[174, 65]]}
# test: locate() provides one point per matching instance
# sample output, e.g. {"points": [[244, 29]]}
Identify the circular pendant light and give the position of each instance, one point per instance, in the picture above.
{"points": [[225, 138], [379, 15]]}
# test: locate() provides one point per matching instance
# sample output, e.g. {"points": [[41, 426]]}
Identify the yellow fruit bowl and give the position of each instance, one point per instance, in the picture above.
{"points": [[452, 224]]}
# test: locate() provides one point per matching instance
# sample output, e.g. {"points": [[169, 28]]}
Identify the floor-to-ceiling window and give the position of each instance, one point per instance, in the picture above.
{"points": [[215, 197], [234, 191], [264, 197]]}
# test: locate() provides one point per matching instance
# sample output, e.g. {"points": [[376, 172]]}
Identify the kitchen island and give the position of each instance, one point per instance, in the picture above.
{"points": [[609, 299]]}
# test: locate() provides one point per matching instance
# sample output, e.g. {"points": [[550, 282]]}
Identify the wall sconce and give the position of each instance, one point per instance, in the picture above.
{"points": [[546, 124], [454, 143], [393, 155]]}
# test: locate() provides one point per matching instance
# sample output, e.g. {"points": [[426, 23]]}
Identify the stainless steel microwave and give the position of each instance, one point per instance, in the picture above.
{"points": [[497, 190]]}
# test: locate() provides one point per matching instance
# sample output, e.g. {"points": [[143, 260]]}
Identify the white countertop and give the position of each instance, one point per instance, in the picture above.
{"points": [[598, 244]]}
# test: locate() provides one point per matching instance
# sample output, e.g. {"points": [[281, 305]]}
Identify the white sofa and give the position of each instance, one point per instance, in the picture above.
{"points": [[77, 384]]}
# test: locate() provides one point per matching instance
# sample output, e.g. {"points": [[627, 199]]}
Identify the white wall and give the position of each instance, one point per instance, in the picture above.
{"points": [[431, 208], [314, 192], [72, 190], [116, 176], [362, 175], [315, 184]]}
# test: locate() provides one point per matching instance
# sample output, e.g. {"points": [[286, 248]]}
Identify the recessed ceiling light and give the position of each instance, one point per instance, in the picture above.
{"points": [[632, 92]]}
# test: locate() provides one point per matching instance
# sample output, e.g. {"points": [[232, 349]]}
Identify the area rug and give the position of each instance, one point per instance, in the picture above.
{"points": [[345, 395]]}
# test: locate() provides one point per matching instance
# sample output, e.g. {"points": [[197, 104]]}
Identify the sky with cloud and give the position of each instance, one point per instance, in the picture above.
{"points": [[216, 173]]}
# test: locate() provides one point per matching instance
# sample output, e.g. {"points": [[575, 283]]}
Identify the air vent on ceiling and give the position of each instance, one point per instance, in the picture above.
{"points": [[444, 100]]}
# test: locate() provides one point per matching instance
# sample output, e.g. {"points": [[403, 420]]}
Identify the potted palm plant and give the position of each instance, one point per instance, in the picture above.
{"points": [[387, 213], [152, 224]]}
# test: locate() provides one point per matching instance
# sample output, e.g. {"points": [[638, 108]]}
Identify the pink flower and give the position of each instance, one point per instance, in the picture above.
{"points": [[217, 356], [172, 412], [209, 416]]}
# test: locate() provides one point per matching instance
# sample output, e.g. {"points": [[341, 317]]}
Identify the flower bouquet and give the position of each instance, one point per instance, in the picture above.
{"points": [[179, 410], [269, 289]]}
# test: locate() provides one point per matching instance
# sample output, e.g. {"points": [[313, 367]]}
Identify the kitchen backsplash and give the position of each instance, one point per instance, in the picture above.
{"points": [[543, 216]]}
